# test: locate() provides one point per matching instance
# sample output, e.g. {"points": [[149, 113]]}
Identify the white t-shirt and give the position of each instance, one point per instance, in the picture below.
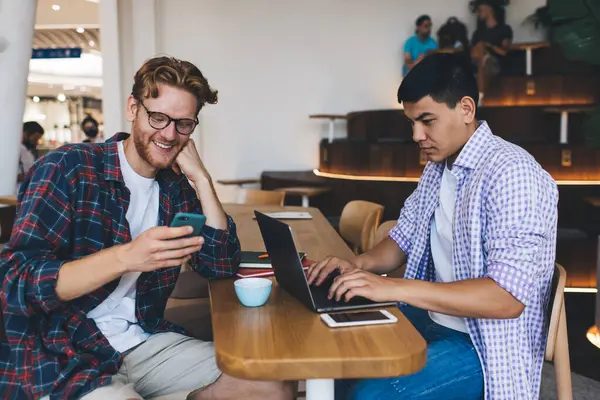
{"points": [[441, 245], [115, 316], [26, 160]]}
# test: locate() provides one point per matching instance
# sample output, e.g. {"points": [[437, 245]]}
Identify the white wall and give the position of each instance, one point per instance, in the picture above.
{"points": [[275, 62], [47, 113]]}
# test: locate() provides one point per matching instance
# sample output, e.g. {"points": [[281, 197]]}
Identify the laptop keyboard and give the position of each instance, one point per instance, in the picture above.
{"points": [[321, 292]]}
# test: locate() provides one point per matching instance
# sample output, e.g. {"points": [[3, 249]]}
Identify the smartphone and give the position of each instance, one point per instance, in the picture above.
{"points": [[337, 320], [196, 221]]}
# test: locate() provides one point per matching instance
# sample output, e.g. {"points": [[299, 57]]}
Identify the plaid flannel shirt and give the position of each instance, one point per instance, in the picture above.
{"points": [[504, 229], [72, 204]]}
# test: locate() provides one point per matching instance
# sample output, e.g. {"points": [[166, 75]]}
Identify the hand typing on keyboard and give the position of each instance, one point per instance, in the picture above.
{"points": [[365, 284], [318, 272]]}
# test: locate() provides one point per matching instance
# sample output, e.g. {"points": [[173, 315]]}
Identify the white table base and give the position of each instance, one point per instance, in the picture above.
{"points": [[564, 127], [320, 389], [305, 201], [331, 129]]}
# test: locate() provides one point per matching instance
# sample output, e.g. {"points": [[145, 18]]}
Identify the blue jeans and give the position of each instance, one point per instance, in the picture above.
{"points": [[453, 370]]}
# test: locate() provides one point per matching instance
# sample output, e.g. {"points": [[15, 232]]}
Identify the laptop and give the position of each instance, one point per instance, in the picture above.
{"points": [[290, 275]]}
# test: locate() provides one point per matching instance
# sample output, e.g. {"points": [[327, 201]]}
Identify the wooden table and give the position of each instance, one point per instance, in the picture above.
{"points": [[284, 340], [238, 182], [331, 118], [8, 200], [529, 47], [305, 192], [564, 118]]}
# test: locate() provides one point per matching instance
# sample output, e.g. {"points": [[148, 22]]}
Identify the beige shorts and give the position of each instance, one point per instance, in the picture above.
{"points": [[491, 65], [165, 364]]}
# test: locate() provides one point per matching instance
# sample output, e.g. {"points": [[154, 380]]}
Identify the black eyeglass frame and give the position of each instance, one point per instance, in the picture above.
{"points": [[169, 120]]}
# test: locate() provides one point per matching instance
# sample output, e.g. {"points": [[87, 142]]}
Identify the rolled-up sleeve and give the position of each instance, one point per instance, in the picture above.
{"points": [[403, 232], [220, 255], [522, 211], [30, 262]]}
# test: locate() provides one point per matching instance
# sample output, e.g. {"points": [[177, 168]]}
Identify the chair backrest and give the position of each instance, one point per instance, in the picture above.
{"points": [[256, 197], [383, 230], [358, 222], [555, 307]]}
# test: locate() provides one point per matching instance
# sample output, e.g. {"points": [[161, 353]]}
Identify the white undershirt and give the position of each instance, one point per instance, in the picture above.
{"points": [[441, 245], [115, 316], [27, 159]]}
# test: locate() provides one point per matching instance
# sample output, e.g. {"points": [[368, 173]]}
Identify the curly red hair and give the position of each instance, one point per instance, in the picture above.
{"points": [[173, 72]]}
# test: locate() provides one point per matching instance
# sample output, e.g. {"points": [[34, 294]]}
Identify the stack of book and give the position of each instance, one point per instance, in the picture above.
{"points": [[258, 263]]}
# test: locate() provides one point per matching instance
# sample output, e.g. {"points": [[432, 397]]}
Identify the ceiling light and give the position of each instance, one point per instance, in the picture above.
{"points": [[92, 43], [61, 97], [55, 7], [80, 29], [36, 99]]}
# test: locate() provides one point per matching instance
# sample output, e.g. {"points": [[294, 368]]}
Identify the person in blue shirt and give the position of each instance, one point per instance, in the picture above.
{"points": [[420, 44]]}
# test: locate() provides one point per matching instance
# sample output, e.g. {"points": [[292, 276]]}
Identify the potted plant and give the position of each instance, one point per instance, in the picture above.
{"points": [[541, 18], [574, 27]]}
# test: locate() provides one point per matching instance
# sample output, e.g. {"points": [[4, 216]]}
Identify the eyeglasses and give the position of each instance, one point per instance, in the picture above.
{"points": [[158, 120]]}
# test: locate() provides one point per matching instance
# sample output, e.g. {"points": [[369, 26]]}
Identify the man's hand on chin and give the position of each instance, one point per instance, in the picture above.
{"points": [[189, 163]]}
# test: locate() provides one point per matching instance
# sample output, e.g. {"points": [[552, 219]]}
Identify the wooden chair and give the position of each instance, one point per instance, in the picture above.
{"points": [[382, 232], [257, 197], [557, 347], [358, 222]]}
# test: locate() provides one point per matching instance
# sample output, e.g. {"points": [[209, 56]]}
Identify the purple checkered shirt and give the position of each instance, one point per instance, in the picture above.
{"points": [[504, 229]]}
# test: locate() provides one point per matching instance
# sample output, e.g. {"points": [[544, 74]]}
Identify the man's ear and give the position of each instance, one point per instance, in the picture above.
{"points": [[468, 108], [131, 108]]}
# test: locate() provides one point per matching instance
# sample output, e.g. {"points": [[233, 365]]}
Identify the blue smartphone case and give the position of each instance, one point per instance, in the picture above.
{"points": [[196, 221]]}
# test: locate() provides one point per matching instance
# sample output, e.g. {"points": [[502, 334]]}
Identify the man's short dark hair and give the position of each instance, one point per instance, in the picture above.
{"points": [[87, 119], [422, 19], [498, 7], [31, 127], [447, 78]]}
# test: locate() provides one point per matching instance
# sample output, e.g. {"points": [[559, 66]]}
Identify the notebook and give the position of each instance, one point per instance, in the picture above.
{"points": [[252, 259], [260, 272]]}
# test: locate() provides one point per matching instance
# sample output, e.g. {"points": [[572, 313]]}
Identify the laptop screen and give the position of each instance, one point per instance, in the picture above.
{"points": [[285, 260]]}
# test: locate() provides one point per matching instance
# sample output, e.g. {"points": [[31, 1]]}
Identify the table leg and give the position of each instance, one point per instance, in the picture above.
{"points": [[320, 389], [331, 127], [564, 127], [528, 62], [305, 201]]}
